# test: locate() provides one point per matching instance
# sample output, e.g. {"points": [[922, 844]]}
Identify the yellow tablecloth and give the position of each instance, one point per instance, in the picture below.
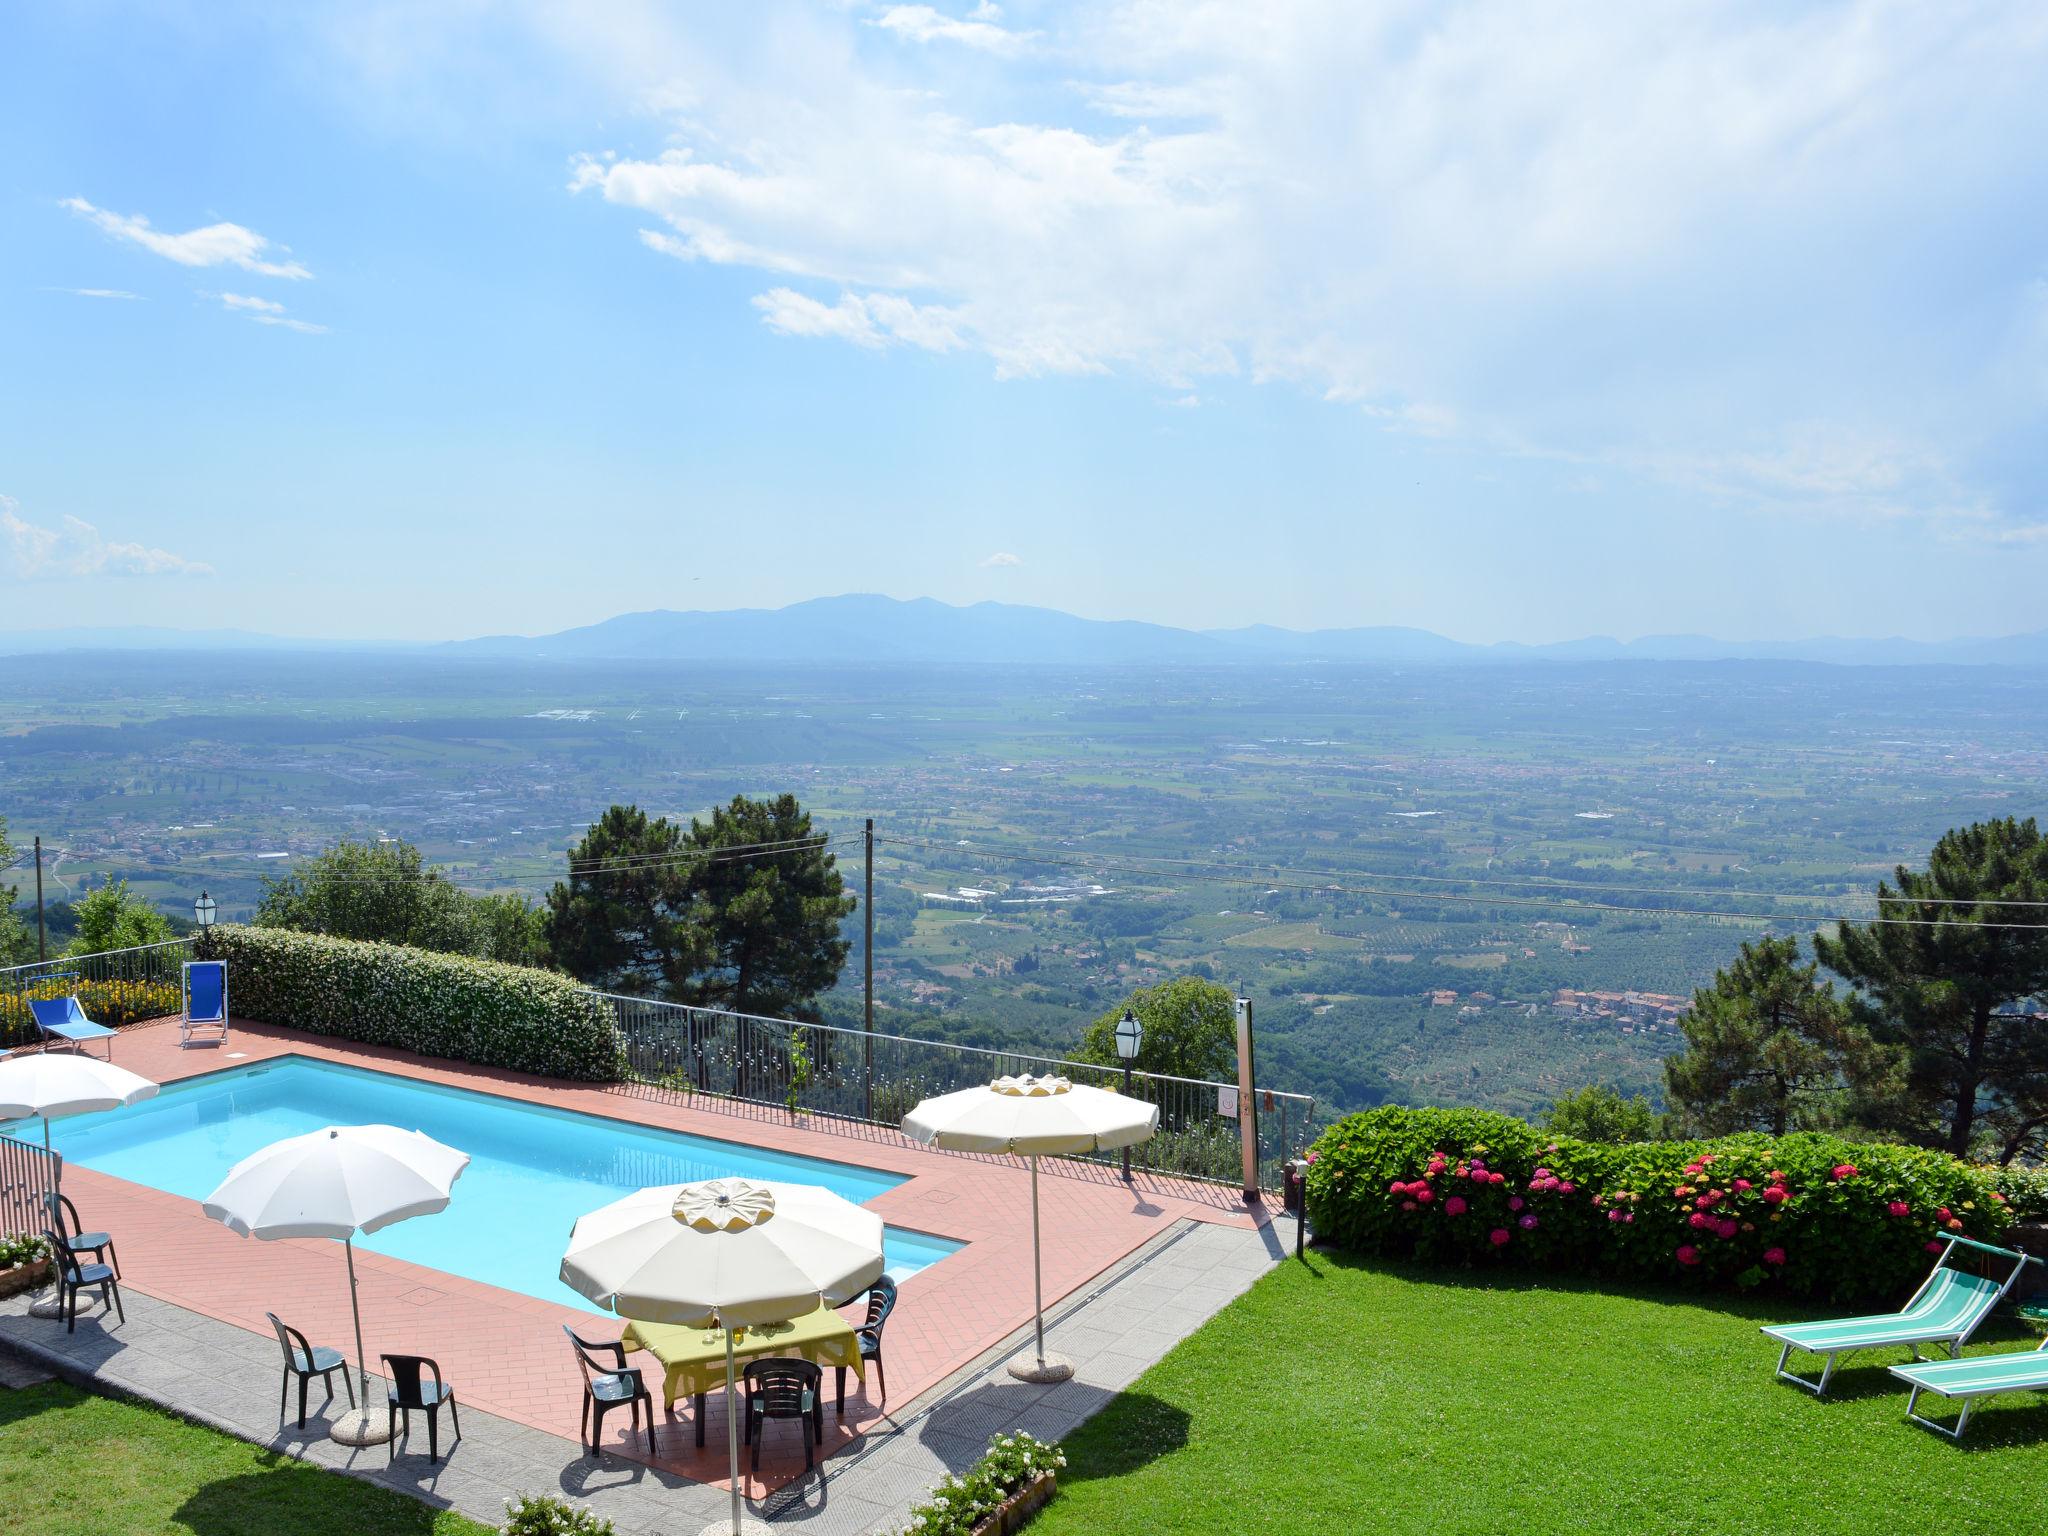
{"points": [[694, 1358]]}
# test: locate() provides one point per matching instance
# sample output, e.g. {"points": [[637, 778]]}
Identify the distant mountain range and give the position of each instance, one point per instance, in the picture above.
{"points": [[867, 628]]}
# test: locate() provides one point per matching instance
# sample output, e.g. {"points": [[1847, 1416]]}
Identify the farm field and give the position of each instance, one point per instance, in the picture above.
{"points": [[1465, 883]]}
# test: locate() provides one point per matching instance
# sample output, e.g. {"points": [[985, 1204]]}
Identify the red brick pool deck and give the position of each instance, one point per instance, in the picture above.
{"points": [[505, 1353]]}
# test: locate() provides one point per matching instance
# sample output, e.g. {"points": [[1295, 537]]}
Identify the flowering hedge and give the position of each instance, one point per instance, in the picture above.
{"points": [[1808, 1214], [958, 1505], [112, 1003], [418, 1000]]}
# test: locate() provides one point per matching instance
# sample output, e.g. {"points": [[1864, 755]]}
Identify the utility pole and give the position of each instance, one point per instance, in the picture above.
{"points": [[1247, 1102], [42, 947], [867, 908]]}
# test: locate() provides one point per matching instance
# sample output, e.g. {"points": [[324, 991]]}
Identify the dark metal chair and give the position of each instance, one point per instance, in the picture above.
{"points": [[73, 1277], [785, 1389], [606, 1385], [64, 1217], [410, 1390], [305, 1361]]}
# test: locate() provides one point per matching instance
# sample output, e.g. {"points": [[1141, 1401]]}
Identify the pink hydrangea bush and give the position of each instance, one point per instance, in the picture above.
{"points": [[1808, 1214]]}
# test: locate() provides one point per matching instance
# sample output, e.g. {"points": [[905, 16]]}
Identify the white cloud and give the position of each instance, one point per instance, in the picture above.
{"points": [[269, 312], [77, 549], [99, 293], [1633, 236], [213, 246], [874, 320], [922, 24], [1002, 558]]}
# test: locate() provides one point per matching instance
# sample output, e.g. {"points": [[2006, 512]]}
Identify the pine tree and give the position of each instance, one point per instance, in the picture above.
{"points": [[1956, 948], [619, 921], [1769, 1047]]}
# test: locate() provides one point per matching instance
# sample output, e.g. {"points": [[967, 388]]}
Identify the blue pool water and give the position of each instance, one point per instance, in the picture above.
{"points": [[532, 1170]]}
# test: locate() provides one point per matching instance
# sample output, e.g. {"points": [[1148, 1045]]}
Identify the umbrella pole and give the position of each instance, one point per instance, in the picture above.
{"points": [[732, 1438], [1044, 1367], [358, 1427], [51, 1304], [1037, 1268]]}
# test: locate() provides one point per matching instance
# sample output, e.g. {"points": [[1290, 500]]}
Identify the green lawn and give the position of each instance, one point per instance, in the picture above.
{"points": [[1342, 1396], [72, 1464]]}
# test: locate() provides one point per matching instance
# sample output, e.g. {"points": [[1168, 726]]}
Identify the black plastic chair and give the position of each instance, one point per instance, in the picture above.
{"points": [[881, 1302], [782, 1388], [606, 1385], [305, 1361], [64, 1217], [409, 1390], [74, 1277]]}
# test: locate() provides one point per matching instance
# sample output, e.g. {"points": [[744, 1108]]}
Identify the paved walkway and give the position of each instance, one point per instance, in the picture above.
{"points": [[1113, 1329]]}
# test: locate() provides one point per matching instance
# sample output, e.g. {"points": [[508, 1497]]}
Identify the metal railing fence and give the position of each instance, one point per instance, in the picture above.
{"points": [[118, 986], [849, 1074]]}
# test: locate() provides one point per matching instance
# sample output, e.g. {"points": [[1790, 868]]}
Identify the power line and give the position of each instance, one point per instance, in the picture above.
{"points": [[1335, 888]]}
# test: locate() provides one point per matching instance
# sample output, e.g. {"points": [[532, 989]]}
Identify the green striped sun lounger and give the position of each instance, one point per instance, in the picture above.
{"points": [[1972, 1378], [1945, 1310]]}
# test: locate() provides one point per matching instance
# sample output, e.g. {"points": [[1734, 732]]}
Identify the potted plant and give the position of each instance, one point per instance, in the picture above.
{"points": [[24, 1264]]}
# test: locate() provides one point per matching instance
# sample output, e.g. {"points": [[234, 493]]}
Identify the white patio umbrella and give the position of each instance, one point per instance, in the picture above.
{"points": [[724, 1253], [336, 1183], [1033, 1116], [64, 1084]]}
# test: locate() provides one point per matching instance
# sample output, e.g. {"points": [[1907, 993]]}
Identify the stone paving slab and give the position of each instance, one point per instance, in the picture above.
{"points": [[1114, 1329]]}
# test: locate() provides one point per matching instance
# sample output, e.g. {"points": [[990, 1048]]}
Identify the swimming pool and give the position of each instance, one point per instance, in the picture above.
{"points": [[532, 1171]]}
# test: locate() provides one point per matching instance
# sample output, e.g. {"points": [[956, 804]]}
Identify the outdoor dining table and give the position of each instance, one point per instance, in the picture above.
{"points": [[693, 1359]]}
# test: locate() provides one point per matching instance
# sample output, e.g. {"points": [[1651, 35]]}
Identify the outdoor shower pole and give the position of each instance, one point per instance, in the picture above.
{"points": [[42, 949], [868, 966]]}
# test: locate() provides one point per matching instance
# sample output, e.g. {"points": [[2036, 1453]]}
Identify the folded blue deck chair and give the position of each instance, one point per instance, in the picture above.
{"points": [[1971, 1378], [1945, 1310], [206, 1003], [60, 1018]]}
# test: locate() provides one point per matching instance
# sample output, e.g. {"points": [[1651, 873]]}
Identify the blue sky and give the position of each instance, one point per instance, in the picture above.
{"points": [[1506, 321]]}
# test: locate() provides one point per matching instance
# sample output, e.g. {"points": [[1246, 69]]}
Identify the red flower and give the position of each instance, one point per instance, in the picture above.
{"points": [[1529, 1222], [1899, 1208], [1777, 1194], [1845, 1170], [1454, 1206], [1423, 1193], [1774, 1255], [1688, 1254], [1498, 1236], [1516, 1202], [1408, 1205], [1398, 1187], [1743, 1184], [1935, 1245], [1727, 1228], [1496, 1178], [1697, 1220]]}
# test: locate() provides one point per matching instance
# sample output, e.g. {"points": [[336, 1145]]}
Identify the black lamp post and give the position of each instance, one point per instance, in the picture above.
{"points": [[204, 910], [1130, 1034]]}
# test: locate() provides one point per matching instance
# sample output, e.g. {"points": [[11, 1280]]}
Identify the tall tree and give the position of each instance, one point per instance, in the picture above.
{"points": [[110, 916], [14, 942], [619, 922], [1954, 948], [379, 891], [1190, 1030], [1769, 1047], [765, 901], [1599, 1112]]}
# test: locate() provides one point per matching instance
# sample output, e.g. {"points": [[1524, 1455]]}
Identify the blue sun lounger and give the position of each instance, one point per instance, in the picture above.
{"points": [[60, 1018], [1971, 1378], [206, 1003], [1945, 1310]]}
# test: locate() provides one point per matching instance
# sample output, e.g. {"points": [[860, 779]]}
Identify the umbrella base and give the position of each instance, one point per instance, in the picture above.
{"points": [[1051, 1368], [49, 1304], [721, 1528], [358, 1428]]}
